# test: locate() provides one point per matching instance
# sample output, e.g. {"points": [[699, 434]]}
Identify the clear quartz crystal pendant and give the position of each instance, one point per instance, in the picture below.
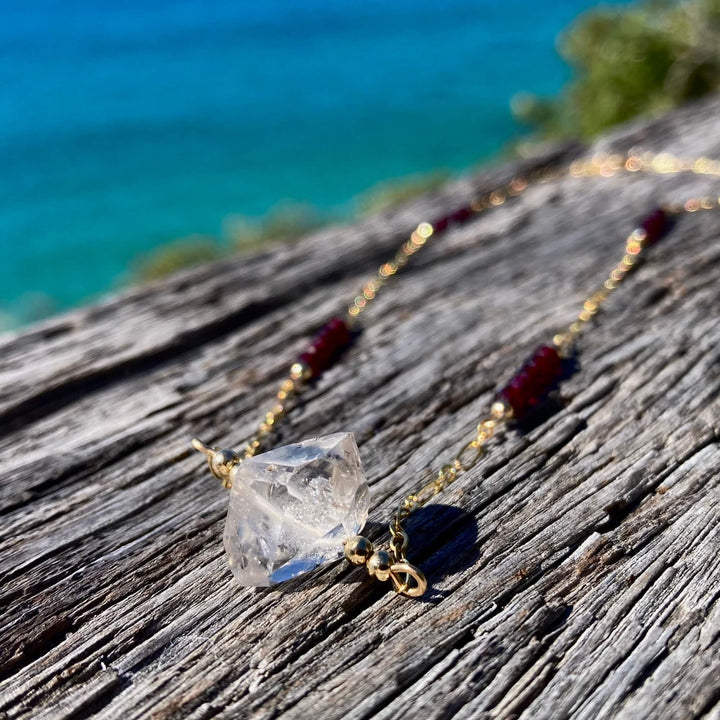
{"points": [[292, 508]]}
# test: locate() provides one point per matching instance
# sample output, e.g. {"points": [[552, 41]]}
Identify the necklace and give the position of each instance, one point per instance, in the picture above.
{"points": [[296, 506]]}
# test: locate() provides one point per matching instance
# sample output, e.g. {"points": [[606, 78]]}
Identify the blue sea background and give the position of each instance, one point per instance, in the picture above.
{"points": [[126, 125]]}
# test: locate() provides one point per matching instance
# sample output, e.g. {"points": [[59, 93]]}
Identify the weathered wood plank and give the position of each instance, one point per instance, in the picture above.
{"points": [[574, 571]]}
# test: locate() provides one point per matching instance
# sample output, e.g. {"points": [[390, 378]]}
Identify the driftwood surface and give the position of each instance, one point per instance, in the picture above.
{"points": [[574, 571]]}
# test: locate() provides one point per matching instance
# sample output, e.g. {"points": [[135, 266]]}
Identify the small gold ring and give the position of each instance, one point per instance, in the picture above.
{"points": [[404, 587]]}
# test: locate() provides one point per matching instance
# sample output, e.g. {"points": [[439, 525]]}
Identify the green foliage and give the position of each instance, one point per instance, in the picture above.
{"points": [[176, 256], [628, 61], [284, 222], [387, 194]]}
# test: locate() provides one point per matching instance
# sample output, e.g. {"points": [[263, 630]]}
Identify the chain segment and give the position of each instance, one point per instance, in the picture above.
{"points": [[599, 165], [393, 565]]}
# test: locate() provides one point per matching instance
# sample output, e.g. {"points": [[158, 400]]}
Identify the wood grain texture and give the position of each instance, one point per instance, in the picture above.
{"points": [[574, 571]]}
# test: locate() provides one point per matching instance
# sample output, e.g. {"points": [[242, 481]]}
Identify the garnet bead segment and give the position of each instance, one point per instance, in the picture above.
{"points": [[456, 217], [440, 224], [327, 344], [461, 215], [533, 382], [655, 226]]}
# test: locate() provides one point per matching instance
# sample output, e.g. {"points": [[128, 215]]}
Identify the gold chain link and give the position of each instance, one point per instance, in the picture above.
{"points": [[465, 460], [634, 247]]}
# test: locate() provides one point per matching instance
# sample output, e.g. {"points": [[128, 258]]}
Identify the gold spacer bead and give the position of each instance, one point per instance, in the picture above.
{"points": [[499, 410], [300, 371], [425, 230], [358, 550], [222, 462], [497, 197], [379, 565]]}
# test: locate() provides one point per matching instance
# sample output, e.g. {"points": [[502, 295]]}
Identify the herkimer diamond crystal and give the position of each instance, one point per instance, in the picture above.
{"points": [[291, 508]]}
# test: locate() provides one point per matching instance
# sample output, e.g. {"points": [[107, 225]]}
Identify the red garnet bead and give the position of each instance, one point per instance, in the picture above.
{"points": [[440, 224], [461, 215], [339, 330], [327, 344], [533, 382], [516, 394], [655, 226], [311, 361], [545, 365]]}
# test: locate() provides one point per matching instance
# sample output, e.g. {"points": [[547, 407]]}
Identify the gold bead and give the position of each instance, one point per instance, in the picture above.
{"points": [[497, 197], [499, 410], [424, 230], [222, 462], [379, 565], [300, 371], [358, 550]]}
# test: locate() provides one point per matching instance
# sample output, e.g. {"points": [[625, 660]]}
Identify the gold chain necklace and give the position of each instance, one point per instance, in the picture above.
{"points": [[539, 376]]}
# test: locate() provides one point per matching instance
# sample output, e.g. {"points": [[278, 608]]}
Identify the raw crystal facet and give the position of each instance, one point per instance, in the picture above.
{"points": [[292, 507]]}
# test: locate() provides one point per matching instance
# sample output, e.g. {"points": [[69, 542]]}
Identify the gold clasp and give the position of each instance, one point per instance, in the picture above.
{"points": [[405, 587], [406, 578]]}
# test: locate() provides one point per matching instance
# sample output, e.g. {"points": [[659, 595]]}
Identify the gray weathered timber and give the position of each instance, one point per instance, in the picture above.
{"points": [[574, 570]]}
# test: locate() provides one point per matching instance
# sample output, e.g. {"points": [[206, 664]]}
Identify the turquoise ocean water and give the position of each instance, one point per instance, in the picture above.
{"points": [[126, 125]]}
